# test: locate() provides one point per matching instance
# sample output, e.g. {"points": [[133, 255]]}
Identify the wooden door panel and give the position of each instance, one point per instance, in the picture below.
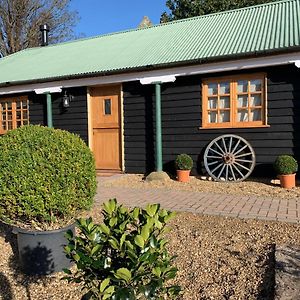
{"points": [[105, 104], [106, 149]]}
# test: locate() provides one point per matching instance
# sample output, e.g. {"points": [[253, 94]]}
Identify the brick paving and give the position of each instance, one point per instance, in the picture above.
{"points": [[247, 207]]}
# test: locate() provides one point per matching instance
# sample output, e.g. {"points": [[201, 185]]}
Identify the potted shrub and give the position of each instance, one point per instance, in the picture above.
{"points": [[183, 164], [125, 257], [286, 167], [47, 177]]}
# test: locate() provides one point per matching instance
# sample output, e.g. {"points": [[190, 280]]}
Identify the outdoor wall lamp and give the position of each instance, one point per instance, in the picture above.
{"points": [[66, 100]]}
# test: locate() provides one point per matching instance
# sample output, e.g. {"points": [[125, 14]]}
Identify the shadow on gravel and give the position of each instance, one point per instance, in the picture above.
{"points": [[267, 287], [5, 288], [14, 266]]}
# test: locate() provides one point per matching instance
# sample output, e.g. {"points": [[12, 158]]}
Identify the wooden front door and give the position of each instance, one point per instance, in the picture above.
{"points": [[105, 107]]}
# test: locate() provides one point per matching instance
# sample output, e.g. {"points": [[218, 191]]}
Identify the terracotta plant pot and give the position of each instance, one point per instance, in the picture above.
{"points": [[183, 175], [287, 181]]}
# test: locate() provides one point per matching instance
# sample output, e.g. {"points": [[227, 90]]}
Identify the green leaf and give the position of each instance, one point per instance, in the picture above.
{"points": [[104, 284], [104, 229], [156, 271], [113, 222], [145, 232], [139, 241], [114, 244], [76, 257], [110, 206], [170, 216], [96, 249], [151, 209], [123, 273], [69, 234], [108, 292], [135, 212], [123, 238]]}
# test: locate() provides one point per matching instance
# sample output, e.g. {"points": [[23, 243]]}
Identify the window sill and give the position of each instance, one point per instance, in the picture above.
{"points": [[235, 127]]}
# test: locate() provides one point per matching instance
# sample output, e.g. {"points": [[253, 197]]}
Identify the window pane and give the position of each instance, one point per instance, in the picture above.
{"points": [[242, 86], [8, 105], [224, 88], [212, 117], [243, 101], [255, 115], [255, 100], [224, 102], [212, 89], [212, 102], [107, 106], [256, 85], [224, 116], [242, 116]]}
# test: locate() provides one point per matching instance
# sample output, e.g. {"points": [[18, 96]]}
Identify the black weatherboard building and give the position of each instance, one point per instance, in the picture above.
{"points": [[234, 72]]}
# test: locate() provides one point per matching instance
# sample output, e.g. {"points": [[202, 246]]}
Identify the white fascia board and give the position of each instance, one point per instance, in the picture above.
{"points": [[232, 65], [160, 79], [297, 63], [50, 90]]}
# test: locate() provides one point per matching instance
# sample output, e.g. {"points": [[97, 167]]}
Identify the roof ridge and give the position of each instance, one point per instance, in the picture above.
{"points": [[164, 24]]}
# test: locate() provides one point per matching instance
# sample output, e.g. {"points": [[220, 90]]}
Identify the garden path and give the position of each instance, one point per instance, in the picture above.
{"points": [[246, 207]]}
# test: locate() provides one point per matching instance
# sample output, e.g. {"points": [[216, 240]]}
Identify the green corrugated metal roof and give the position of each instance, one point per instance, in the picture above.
{"points": [[247, 31]]}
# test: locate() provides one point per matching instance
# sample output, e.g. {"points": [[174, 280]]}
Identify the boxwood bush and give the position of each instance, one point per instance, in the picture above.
{"points": [[46, 176], [183, 162], [285, 164]]}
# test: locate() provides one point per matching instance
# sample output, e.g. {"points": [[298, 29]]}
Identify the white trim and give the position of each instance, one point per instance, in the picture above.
{"points": [[161, 79], [241, 64], [56, 89]]}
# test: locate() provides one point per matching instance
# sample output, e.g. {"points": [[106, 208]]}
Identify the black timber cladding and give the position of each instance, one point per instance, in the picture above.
{"points": [[73, 119], [181, 119]]}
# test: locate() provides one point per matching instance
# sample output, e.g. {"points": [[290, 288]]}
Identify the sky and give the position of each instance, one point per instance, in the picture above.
{"points": [[105, 16]]}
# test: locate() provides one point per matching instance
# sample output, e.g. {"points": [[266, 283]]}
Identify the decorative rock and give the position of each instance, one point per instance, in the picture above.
{"points": [[158, 176], [287, 273]]}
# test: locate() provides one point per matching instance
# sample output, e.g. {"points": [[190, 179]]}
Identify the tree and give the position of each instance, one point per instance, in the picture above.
{"points": [[146, 22], [181, 9], [20, 21]]}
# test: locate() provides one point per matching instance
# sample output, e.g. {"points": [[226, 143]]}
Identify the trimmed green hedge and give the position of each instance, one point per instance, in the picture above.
{"points": [[46, 175], [285, 164]]}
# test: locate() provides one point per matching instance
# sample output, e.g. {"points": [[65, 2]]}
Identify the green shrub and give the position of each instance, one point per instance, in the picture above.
{"points": [[125, 257], [285, 164], [46, 175], [183, 162]]}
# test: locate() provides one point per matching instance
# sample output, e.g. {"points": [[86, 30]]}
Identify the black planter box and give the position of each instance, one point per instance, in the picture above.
{"points": [[42, 252]]}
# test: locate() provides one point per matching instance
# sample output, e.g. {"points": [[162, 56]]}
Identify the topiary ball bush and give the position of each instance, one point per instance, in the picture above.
{"points": [[47, 176], [183, 162], [285, 164]]}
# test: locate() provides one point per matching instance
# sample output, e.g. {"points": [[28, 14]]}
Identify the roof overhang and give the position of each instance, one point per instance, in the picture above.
{"points": [[147, 76]]}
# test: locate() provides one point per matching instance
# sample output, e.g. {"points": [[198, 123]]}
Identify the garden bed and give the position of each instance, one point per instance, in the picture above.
{"points": [[253, 186], [218, 258]]}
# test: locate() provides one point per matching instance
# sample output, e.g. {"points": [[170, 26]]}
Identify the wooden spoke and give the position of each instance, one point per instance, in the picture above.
{"points": [[234, 159], [213, 150]]}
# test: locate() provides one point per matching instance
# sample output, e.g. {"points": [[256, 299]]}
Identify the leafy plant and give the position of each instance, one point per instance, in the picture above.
{"points": [[46, 176], [125, 257], [183, 162], [285, 164]]}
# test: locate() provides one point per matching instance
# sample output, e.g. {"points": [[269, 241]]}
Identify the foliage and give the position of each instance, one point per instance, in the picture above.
{"points": [[125, 257], [181, 9], [183, 162], [20, 21], [285, 164], [46, 175]]}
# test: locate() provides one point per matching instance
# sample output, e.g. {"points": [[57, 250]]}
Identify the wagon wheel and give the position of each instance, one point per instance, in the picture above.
{"points": [[229, 158]]}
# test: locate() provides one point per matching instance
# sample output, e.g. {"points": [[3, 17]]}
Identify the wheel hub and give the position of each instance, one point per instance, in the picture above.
{"points": [[228, 159]]}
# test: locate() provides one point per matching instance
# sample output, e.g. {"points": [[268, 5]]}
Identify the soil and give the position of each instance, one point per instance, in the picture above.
{"points": [[254, 186], [217, 257]]}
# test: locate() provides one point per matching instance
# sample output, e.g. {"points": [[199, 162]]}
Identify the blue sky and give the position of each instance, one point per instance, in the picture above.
{"points": [[102, 16]]}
